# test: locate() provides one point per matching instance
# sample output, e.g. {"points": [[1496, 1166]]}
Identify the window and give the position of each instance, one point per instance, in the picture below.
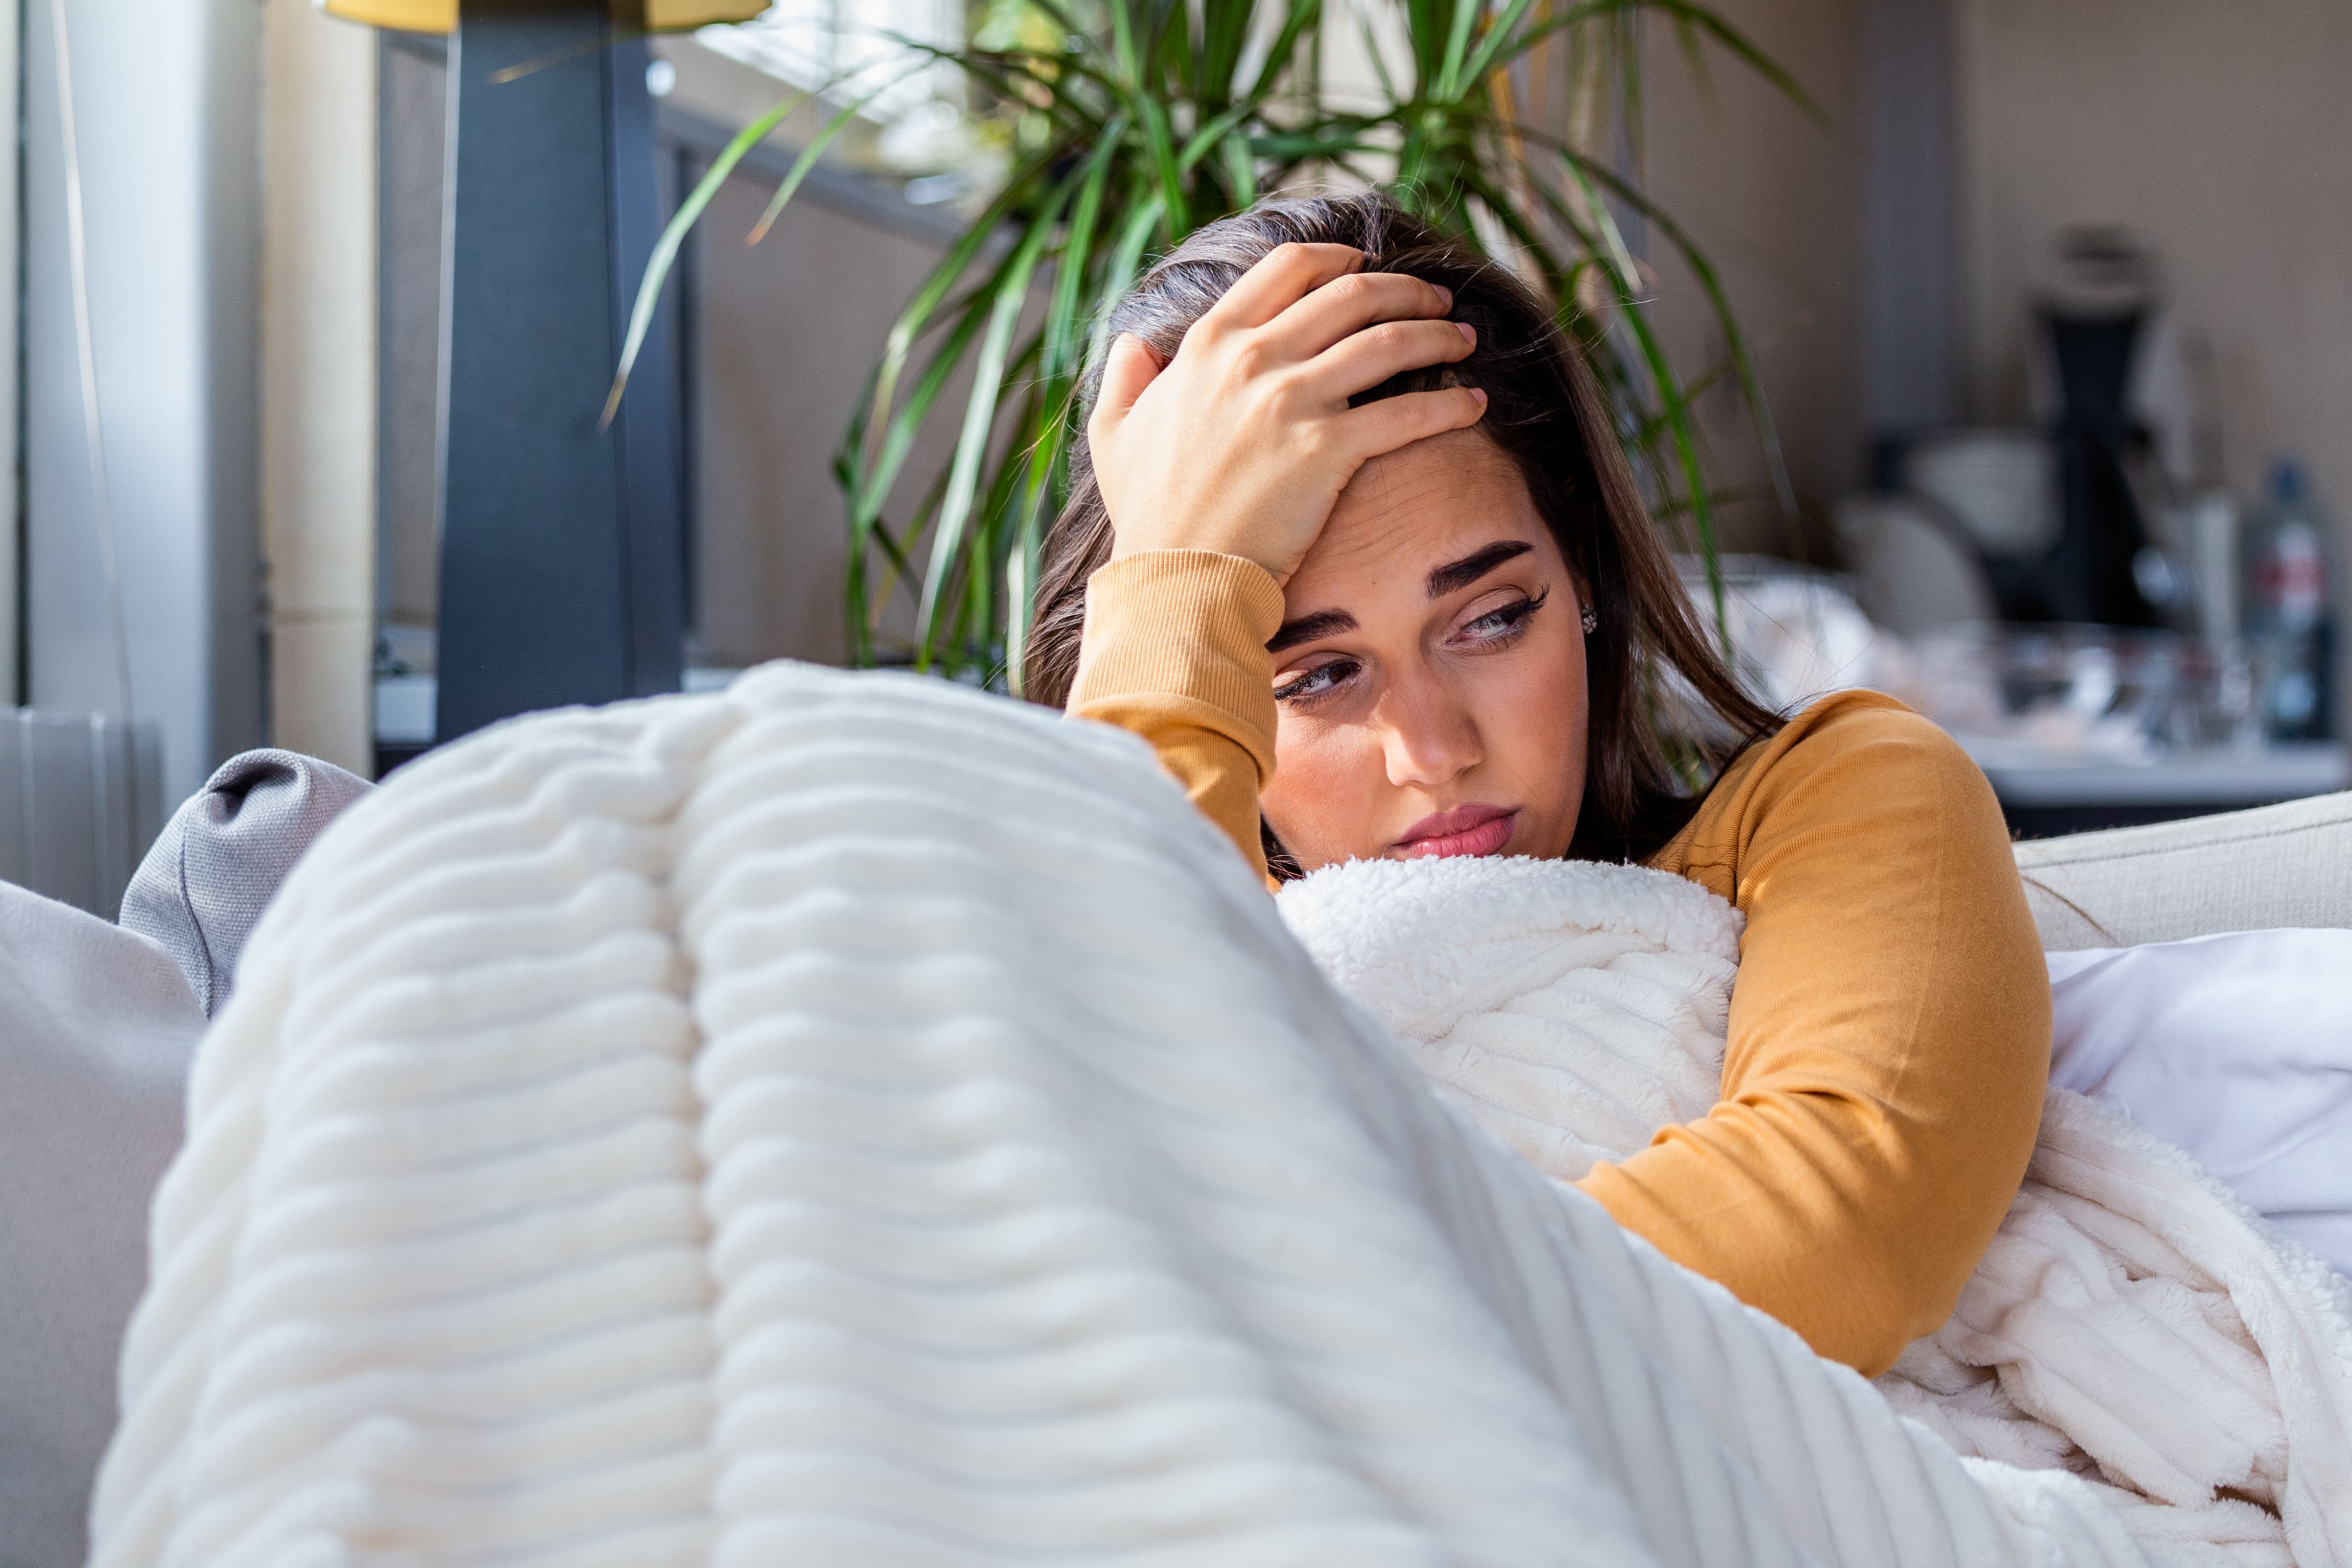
{"points": [[853, 48]]}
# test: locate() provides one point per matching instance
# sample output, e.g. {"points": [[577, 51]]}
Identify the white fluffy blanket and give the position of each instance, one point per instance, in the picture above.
{"points": [[2132, 1322], [853, 1121]]}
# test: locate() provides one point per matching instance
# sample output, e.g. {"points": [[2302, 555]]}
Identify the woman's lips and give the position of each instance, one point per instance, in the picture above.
{"points": [[1464, 831]]}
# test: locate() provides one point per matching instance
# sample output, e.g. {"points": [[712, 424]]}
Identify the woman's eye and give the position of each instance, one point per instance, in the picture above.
{"points": [[1319, 681], [1497, 625]]}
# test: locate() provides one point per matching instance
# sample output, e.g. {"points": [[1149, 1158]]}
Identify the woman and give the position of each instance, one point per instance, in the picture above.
{"points": [[1352, 545]]}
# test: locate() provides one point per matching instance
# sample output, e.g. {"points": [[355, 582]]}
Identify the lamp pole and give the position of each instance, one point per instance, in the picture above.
{"points": [[562, 557]]}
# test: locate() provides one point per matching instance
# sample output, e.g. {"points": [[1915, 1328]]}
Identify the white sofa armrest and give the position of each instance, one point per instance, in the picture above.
{"points": [[2286, 865]]}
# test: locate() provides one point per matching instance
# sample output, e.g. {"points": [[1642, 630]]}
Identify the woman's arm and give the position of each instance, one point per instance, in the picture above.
{"points": [[1174, 650], [1889, 1043], [1890, 1028]]}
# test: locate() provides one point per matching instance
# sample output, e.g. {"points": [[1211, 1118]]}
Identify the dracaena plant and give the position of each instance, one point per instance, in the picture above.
{"points": [[1134, 122]]}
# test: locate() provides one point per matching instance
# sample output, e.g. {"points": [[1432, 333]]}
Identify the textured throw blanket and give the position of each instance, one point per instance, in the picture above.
{"points": [[2132, 1322], [849, 1119]]}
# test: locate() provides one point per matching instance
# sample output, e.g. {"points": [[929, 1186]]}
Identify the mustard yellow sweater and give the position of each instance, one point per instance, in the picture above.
{"points": [[1890, 1027]]}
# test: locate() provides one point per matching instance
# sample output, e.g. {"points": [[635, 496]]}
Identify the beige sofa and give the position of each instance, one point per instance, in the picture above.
{"points": [[2279, 865]]}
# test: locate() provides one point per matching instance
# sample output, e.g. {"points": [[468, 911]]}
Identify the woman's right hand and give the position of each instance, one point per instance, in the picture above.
{"points": [[1243, 442]]}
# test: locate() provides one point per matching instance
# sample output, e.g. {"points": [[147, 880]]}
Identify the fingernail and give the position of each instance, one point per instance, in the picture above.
{"points": [[1442, 288], [1469, 333], [1480, 395]]}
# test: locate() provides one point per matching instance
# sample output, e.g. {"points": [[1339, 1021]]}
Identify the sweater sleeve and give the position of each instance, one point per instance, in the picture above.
{"points": [[1174, 651], [1889, 1036]]}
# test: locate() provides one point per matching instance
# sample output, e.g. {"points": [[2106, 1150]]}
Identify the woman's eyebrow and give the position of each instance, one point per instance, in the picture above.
{"points": [[1306, 628], [1470, 568]]}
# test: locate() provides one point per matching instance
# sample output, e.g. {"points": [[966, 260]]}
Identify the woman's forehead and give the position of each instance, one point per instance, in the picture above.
{"points": [[1429, 503]]}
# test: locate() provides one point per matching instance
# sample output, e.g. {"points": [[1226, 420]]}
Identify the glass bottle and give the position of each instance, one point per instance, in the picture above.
{"points": [[2285, 555]]}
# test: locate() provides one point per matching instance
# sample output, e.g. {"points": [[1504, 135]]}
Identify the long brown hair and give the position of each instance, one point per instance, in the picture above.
{"points": [[1545, 413]]}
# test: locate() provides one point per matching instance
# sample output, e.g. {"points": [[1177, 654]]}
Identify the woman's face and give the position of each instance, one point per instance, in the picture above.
{"points": [[1429, 674]]}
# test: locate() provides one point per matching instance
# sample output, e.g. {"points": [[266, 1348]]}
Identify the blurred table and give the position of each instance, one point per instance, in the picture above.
{"points": [[2044, 795]]}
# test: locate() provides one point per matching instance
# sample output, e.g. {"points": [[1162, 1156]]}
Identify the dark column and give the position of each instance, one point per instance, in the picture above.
{"points": [[560, 545]]}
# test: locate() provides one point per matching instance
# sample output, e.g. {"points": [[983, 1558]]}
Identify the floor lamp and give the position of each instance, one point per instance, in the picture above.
{"points": [[562, 550]]}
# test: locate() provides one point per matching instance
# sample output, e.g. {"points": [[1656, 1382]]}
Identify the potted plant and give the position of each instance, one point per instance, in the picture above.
{"points": [[1131, 126]]}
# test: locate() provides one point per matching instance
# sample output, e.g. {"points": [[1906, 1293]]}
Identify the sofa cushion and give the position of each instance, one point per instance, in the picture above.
{"points": [[100, 1022], [99, 1028], [2248, 871]]}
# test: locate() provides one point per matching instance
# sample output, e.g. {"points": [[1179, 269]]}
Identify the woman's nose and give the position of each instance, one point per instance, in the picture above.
{"points": [[1428, 738]]}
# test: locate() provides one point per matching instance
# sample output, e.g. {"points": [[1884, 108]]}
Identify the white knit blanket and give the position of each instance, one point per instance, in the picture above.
{"points": [[2132, 1322], [853, 1121]]}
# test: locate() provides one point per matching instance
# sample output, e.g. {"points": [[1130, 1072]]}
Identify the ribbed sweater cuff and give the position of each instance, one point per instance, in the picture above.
{"points": [[1187, 628]]}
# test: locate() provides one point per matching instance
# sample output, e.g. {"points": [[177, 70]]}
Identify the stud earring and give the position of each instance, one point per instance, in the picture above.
{"points": [[1591, 620]]}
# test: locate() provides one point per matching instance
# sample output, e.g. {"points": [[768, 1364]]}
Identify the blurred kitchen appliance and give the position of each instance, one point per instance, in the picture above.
{"points": [[2092, 311], [1998, 493], [2086, 727], [2055, 694], [2057, 516], [1914, 569]]}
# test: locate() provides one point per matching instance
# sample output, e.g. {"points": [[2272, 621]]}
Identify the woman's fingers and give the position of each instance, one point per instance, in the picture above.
{"points": [[1363, 360], [1283, 277], [1238, 442], [1396, 422], [1346, 307], [1128, 369]]}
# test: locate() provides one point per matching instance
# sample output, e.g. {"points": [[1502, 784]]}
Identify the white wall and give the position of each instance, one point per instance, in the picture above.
{"points": [[166, 91], [1773, 196], [790, 331], [2222, 130]]}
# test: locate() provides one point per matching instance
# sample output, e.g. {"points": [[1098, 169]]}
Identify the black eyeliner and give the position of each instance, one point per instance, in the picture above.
{"points": [[1520, 613], [1285, 693]]}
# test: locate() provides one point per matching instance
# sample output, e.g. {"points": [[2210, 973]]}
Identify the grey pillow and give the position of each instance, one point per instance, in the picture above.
{"points": [[97, 1027], [223, 855], [98, 1024]]}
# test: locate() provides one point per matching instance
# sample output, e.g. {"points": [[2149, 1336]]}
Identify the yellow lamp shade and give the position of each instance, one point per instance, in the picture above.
{"points": [[441, 15]]}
